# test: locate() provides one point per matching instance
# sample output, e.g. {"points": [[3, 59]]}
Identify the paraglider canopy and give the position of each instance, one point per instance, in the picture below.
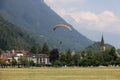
{"points": [[62, 25]]}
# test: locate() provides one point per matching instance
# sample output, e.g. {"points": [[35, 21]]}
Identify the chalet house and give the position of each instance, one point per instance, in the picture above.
{"points": [[41, 59], [18, 53], [8, 56]]}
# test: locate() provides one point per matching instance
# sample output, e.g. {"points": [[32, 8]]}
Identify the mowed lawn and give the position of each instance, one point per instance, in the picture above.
{"points": [[108, 73]]}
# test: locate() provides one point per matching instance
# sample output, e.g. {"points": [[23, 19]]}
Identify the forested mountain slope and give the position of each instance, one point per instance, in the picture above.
{"points": [[13, 37]]}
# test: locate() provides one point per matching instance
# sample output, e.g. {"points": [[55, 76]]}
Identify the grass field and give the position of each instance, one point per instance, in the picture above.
{"points": [[110, 73]]}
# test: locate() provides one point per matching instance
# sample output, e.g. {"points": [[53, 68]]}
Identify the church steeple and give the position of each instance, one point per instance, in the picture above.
{"points": [[102, 45]]}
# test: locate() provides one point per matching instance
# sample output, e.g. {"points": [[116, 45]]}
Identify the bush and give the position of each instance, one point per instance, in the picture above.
{"points": [[57, 63]]}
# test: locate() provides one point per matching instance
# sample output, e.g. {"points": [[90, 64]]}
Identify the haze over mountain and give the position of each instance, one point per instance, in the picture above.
{"points": [[37, 18]]}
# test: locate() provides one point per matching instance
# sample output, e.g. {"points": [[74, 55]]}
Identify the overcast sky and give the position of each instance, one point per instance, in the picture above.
{"points": [[91, 18]]}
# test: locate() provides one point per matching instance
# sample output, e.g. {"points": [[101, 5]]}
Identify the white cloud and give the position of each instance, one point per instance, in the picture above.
{"points": [[70, 5], [64, 1], [106, 21]]}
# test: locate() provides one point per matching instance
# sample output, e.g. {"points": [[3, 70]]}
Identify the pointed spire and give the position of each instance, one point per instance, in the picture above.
{"points": [[102, 45], [102, 41]]}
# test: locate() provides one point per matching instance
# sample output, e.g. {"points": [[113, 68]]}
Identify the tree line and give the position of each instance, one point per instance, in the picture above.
{"points": [[83, 59], [68, 58]]}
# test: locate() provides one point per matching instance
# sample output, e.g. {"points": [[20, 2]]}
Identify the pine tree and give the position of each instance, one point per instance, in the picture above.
{"points": [[45, 48]]}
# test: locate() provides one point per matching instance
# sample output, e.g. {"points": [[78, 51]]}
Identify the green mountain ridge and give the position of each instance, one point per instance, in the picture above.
{"points": [[13, 37], [95, 47]]}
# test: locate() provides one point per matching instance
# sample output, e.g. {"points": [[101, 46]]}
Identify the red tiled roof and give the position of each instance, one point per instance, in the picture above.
{"points": [[4, 58]]}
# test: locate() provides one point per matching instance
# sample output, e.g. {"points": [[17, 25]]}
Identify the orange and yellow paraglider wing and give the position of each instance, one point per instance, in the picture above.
{"points": [[62, 25]]}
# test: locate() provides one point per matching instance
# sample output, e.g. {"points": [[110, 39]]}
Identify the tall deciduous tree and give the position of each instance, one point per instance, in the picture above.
{"points": [[23, 60], [113, 53], [54, 55], [14, 62]]}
